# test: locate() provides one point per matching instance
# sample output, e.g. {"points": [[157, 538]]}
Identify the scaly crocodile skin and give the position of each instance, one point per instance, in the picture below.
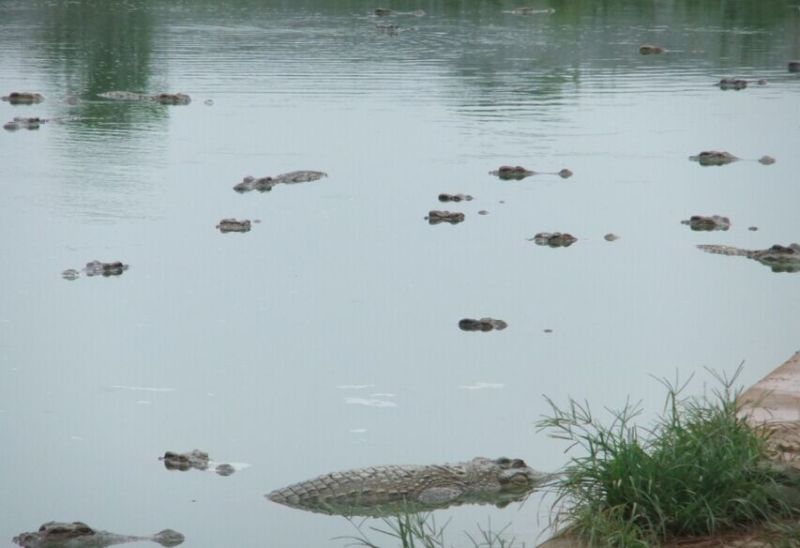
{"points": [[778, 257], [388, 490]]}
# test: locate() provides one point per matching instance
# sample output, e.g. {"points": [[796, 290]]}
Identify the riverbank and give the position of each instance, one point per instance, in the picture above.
{"points": [[773, 404]]}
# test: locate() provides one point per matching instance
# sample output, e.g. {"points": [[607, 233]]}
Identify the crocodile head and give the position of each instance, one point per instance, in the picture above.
{"points": [[780, 258], [502, 480], [56, 533]]}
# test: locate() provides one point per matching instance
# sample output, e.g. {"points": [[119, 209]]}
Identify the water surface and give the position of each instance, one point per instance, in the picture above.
{"points": [[326, 338]]}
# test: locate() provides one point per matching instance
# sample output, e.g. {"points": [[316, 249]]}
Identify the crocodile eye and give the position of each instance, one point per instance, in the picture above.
{"points": [[518, 463], [503, 462], [520, 479]]}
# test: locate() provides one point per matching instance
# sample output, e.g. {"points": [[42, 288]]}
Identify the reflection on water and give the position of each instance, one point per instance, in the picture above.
{"points": [[409, 530], [370, 402], [243, 344]]}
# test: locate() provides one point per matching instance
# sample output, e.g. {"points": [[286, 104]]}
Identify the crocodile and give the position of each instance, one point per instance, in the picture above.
{"points": [[454, 197], [701, 222], [721, 158], [732, 83], [650, 49], [714, 158], [389, 490], [531, 11], [554, 239], [265, 184], [234, 225], [778, 257], [96, 268], [385, 12], [194, 460], [738, 83], [21, 122], [435, 217], [55, 534], [23, 98], [517, 173], [484, 324], [161, 98]]}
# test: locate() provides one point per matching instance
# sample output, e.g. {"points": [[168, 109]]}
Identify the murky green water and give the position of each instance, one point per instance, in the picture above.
{"points": [[326, 338]]}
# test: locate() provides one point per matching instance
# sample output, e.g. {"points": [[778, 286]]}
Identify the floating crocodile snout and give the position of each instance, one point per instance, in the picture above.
{"points": [[96, 268], [554, 239], [55, 534], [390, 490], [484, 324], [701, 222], [650, 49], [162, 98], [778, 257], [23, 98], [565, 173], [794, 66], [265, 184], [233, 225]]}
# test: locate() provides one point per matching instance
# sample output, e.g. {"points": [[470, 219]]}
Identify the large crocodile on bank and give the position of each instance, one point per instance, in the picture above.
{"points": [[778, 257], [391, 490], [77, 534]]}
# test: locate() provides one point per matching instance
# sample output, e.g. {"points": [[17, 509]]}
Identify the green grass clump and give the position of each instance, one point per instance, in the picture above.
{"points": [[701, 469]]}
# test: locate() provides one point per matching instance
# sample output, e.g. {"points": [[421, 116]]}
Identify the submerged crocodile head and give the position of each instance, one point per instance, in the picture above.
{"points": [[57, 534], [391, 490]]}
